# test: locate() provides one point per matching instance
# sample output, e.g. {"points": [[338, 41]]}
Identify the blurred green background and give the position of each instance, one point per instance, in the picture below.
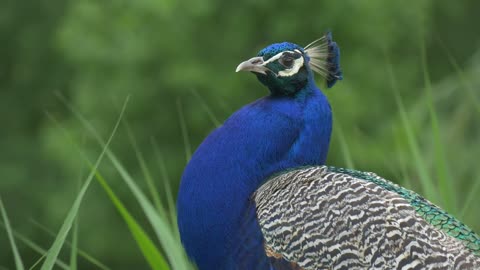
{"points": [[173, 56]]}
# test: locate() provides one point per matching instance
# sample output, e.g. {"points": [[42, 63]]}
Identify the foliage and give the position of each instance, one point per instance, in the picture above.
{"points": [[408, 108]]}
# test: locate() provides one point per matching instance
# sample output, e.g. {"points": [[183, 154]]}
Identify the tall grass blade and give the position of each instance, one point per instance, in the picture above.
{"points": [[401, 166], [74, 245], [425, 179], [164, 232], [446, 187], [41, 251], [62, 234], [148, 249], [168, 189], [16, 254], [146, 172], [183, 127], [153, 256], [37, 262], [160, 226], [80, 252]]}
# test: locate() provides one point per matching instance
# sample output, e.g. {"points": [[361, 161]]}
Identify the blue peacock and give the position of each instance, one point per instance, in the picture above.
{"points": [[257, 194]]}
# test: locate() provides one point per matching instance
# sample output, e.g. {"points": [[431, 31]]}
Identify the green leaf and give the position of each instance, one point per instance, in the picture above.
{"points": [[74, 245], [149, 250], [16, 254], [37, 262], [183, 127], [67, 225], [80, 252], [167, 187], [35, 247], [146, 172], [163, 230], [160, 226]]}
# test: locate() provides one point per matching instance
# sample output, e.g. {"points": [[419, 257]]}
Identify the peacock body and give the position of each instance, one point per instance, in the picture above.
{"points": [[256, 193]]}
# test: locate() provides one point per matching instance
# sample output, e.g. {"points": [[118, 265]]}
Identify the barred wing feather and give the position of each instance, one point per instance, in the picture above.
{"points": [[330, 218]]}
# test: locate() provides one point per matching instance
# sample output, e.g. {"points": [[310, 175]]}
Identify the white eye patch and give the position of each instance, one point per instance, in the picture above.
{"points": [[290, 71], [293, 70]]}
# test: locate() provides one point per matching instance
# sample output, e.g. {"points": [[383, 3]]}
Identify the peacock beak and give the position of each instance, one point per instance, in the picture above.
{"points": [[254, 64]]}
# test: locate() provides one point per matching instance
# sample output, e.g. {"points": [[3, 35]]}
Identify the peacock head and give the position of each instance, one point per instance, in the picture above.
{"points": [[286, 68]]}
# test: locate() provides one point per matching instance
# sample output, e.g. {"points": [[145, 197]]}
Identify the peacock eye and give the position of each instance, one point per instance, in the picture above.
{"points": [[287, 61]]}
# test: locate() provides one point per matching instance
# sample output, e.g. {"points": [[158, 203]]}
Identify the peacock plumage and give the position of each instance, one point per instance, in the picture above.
{"points": [[257, 195]]}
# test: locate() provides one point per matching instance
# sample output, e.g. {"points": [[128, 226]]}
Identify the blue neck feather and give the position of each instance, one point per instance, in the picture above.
{"points": [[215, 216]]}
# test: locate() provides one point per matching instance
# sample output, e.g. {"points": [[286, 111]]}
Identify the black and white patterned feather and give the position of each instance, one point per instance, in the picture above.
{"points": [[326, 218]]}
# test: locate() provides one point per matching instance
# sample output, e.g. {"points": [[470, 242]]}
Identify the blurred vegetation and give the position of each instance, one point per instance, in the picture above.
{"points": [[178, 58]]}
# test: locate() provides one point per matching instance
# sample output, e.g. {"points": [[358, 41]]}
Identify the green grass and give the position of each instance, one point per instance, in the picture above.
{"points": [[16, 254], [160, 243], [57, 245]]}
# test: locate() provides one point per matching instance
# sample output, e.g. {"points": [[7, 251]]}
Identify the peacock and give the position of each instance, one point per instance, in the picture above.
{"points": [[257, 194]]}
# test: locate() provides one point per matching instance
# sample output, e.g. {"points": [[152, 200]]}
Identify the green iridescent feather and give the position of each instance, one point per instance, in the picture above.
{"points": [[430, 212]]}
